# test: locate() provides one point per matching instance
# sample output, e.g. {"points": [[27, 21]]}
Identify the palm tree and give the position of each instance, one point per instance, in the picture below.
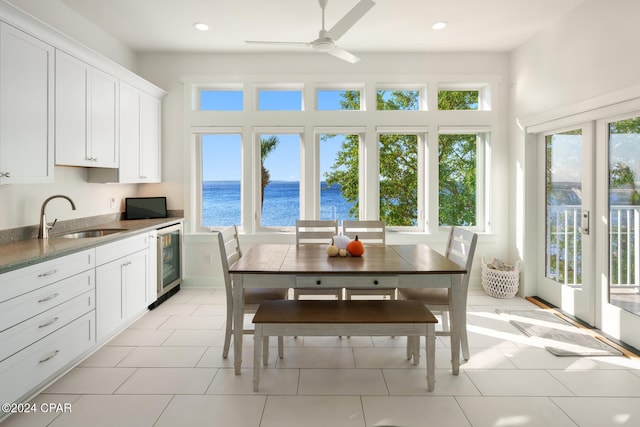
{"points": [[267, 145]]}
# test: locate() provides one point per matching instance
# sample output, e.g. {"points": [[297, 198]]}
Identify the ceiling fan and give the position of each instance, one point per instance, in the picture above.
{"points": [[326, 41]]}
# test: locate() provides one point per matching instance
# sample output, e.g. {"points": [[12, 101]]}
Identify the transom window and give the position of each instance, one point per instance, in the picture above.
{"points": [[221, 100], [264, 171]]}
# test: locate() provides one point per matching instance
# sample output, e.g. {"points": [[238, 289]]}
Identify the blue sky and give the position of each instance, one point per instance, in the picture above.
{"points": [[221, 153]]}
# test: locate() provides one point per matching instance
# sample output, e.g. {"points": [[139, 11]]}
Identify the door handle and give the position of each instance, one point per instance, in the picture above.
{"points": [[585, 222]]}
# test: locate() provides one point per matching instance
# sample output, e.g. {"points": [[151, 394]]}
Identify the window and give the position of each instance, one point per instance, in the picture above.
{"points": [[457, 100], [336, 99], [220, 100], [220, 171], [339, 176], [398, 99], [457, 178], [399, 162], [279, 100], [398, 180], [279, 179], [464, 96]]}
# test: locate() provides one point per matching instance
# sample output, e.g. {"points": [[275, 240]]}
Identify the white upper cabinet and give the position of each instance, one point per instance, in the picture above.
{"points": [[150, 139], [86, 114], [140, 141], [26, 108]]}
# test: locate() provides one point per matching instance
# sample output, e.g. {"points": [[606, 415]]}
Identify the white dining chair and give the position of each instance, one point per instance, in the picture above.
{"points": [[312, 231], [460, 249], [229, 247], [369, 232]]}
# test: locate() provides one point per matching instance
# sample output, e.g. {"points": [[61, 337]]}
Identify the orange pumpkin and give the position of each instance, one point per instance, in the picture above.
{"points": [[355, 247]]}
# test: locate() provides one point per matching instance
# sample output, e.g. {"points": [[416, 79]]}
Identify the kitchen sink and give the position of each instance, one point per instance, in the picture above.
{"points": [[83, 234]]}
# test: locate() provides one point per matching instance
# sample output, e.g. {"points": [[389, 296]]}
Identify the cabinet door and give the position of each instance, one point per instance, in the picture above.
{"points": [[150, 140], [72, 79], [86, 107], [129, 169], [102, 119], [137, 267], [109, 298], [26, 108]]}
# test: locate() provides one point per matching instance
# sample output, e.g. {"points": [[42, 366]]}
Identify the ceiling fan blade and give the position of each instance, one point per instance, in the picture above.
{"points": [[266, 42], [350, 19], [338, 52]]}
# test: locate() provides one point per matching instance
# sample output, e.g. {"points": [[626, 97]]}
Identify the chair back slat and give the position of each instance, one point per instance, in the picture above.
{"points": [[229, 248], [461, 248], [370, 232], [315, 231]]}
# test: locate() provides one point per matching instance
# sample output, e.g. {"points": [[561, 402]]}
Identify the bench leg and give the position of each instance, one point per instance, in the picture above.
{"points": [[265, 351], [431, 356], [257, 352]]}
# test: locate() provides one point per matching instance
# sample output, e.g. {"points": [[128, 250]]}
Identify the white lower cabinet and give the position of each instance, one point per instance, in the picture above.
{"points": [[47, 321], [122, 279], [35, 365]]}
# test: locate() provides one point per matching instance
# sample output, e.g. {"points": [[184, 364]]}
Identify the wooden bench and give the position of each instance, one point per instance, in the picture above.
{"points": [[347, 318]]}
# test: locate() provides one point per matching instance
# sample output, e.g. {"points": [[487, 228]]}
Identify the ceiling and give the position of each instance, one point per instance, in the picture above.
{"points": [[390, 26]]}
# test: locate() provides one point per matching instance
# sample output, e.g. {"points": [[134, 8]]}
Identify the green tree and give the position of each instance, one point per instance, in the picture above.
{"points": [[621, 176], [267, 145], [399, 165]]}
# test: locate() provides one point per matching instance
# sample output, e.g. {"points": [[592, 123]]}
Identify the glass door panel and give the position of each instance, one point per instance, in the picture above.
{"points": [[624, 214], [567, 199]]}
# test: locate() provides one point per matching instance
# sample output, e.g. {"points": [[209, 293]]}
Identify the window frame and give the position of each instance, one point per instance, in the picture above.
{"points": [[197, 134], [484, 93], [311, 122], [257, 133], [483, 173]]}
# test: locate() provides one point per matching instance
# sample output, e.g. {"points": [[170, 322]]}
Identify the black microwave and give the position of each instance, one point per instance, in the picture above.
{"points": [[145, 207]]}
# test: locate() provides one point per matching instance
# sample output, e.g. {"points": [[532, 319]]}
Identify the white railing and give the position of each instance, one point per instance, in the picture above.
{"points": [[564, 242]]}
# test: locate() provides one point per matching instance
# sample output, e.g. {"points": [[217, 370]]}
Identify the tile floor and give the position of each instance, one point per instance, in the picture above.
{"points": [[167, 370]]}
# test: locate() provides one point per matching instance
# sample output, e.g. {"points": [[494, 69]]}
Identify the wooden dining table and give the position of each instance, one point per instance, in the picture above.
{"points": [[389, 266]]}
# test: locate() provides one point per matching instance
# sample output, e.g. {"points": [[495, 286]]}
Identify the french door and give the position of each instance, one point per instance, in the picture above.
{"points": [[566, 209], [589, 227], [618, 227]]}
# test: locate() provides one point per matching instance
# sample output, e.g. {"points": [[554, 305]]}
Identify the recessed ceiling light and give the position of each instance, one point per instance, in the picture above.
{"points": [[439, 25], [200, 26]]}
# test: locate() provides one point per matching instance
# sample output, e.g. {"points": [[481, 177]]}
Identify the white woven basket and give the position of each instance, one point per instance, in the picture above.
{"points": [[498, 283]]}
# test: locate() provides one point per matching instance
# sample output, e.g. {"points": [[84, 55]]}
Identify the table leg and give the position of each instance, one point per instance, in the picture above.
{"points": [[238, 322], [458, 318], [257, 349]]}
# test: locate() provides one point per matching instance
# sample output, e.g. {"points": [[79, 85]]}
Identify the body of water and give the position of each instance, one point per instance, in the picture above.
{"points": [[221, 203]]}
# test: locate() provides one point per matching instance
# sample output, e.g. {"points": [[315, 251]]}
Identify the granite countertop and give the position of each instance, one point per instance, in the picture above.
{"points": [[23, 253]]}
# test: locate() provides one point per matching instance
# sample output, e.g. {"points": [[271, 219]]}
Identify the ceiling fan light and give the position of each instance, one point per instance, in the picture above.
{"points": [[201, 26], [440, 25]]}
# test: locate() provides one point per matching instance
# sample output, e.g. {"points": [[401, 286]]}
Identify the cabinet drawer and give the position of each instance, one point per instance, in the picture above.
{"points": [[26, 333], [26, 306], [347, 281], [38, 363], [18, 282], [121, 248]]}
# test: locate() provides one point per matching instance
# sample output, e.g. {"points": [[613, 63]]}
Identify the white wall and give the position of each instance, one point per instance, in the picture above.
{"points": [[587, 55], [66, 20], [167, 70]]}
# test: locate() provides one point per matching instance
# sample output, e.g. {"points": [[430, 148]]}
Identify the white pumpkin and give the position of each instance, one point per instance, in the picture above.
{"points": [[341, 241], [343, 252], [332, 249]]}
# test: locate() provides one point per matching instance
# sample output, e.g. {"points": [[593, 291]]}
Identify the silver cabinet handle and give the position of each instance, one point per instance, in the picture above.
{"points": [[49, 357], [5, 174], [49, 298], [49, 323], [50, 272]]}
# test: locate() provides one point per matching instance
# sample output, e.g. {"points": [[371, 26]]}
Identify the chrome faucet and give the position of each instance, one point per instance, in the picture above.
{"points": [[43, 233]]}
